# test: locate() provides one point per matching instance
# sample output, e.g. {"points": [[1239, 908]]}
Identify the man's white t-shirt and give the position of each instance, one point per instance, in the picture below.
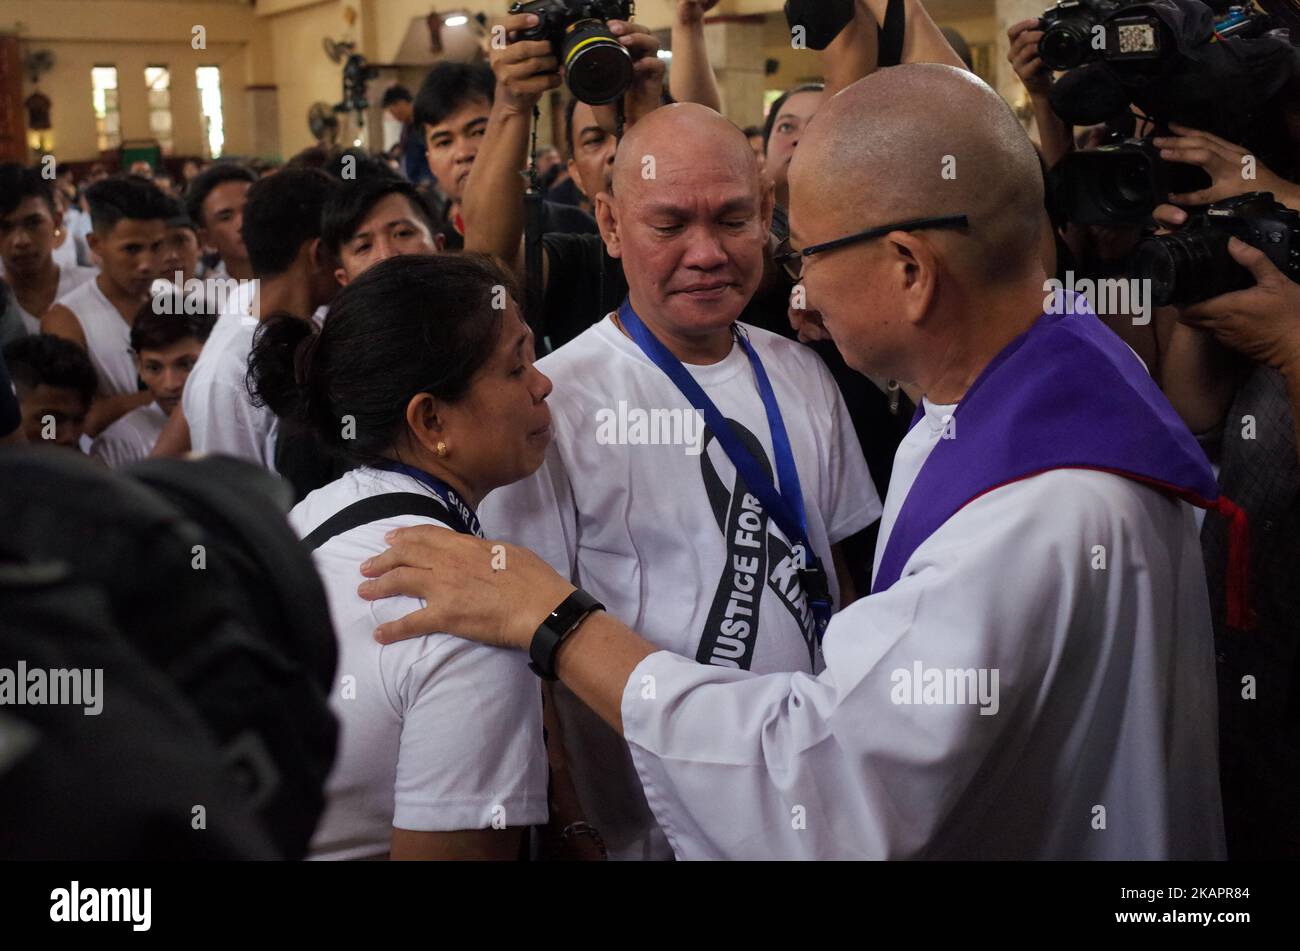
{"points": [[1105, 696], [436, 733], [217, 404], [131, 437], [108, 338], [661, 536], [71, 276]]}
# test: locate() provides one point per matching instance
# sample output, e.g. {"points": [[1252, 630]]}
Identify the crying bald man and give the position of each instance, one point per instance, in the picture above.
{"points": [[1031, 676]]}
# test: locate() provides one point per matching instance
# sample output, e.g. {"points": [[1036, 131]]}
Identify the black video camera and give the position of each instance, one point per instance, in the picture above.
{"points": [[597, 68], [1194, 264], [1120, 182], [1071, 30]]}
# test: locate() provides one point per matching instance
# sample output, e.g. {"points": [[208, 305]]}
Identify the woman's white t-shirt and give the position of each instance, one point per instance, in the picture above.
{"points": [[436, 733]]}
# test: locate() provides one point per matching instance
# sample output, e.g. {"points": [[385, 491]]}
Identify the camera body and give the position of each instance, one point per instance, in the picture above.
{"points": [[1194, 264], [1120, 183], [597, 68], [1069, 29]]}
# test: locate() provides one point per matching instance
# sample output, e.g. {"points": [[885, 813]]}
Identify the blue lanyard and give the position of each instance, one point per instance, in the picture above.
{"points": [[784, 505], [460, 515]]}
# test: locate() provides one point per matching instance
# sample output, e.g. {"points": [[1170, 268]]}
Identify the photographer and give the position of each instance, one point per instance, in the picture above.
{"points": [[1053, 131], [1231, 367], [1257, 455], [452, 108], [586, 284]]}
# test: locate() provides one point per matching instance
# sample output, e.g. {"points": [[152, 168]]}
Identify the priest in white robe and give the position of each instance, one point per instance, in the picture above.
{"points": [[1032, 676]]}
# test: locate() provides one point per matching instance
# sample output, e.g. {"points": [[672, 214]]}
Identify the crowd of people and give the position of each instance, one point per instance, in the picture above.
{"points": [[754, 440]]}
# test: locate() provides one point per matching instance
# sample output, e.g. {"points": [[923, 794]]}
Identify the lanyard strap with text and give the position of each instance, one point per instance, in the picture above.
{"points": [[462, 517], [783, 505]]}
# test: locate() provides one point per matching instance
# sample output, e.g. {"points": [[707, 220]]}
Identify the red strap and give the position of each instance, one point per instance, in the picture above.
{"points": [[1240, 614]]}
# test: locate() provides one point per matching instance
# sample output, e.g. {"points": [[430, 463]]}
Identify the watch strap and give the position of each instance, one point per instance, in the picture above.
{"points": [[558, 625]]}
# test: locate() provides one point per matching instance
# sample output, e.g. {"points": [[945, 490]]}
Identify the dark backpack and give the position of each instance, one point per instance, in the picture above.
{"points": [[214, 597]]}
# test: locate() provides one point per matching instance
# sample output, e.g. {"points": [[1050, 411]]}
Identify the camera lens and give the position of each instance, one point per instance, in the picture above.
{"points": [[1186, 268], [597, 67], [1112, 184], [1155, 261], [1129, 186], [1064, 45]]}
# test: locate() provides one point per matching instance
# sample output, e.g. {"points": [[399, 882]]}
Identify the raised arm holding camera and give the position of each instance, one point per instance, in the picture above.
{"points": [[692, 78], [493, 203]]}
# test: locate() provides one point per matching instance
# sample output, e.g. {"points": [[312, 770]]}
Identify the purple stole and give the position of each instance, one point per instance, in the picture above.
{"points": [[1066, 394]]}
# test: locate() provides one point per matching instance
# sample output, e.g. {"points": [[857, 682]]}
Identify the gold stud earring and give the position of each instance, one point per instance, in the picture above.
{"points": [[441, 449]]}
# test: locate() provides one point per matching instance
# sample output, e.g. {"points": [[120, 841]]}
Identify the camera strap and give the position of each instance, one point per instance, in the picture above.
{"points": [[890, 43], [534, 298], [784, 505]]}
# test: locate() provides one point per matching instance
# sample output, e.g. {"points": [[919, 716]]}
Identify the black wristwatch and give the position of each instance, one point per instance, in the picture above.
{"points": [[558, 625]]}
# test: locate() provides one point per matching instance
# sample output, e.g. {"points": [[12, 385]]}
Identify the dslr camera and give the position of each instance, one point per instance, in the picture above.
{"points": [[597, 68], [1194, 264]]}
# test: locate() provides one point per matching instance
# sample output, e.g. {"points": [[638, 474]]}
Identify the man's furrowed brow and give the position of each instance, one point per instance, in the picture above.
{"points": [[741, 204]]}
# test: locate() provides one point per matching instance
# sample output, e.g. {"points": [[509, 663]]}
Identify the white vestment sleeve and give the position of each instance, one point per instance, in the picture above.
{"points": [[1104, 697]]}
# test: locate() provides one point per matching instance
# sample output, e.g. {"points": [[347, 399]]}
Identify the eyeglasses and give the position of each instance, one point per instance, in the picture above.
{"points": [[792, 260]]}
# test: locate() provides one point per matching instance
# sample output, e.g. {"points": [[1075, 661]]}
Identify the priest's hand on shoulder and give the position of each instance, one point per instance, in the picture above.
{"points": [[485, 591]]}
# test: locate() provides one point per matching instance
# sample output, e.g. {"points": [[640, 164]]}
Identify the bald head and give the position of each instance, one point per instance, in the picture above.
{"points": [[689, 220], [916, 141], [679, 136]]}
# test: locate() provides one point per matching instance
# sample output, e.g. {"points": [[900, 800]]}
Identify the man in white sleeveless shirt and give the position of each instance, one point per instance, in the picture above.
{"points": [[29, 223], [129, 216], [166, 347]]}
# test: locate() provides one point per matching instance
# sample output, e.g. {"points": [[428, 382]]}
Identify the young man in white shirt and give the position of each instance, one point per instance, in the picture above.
{"points": [[647, 508], [166, 347], [295, 274], [215, 201], [373, 217], [1033, 673], [29, 222], [129, 216]]}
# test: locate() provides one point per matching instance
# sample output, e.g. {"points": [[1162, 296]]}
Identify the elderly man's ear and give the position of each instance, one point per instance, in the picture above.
{"points": [[914, 273], [607, 220]]}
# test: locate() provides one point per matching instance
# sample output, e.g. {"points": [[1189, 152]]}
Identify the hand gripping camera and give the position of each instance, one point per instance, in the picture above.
{"points": [[597, 68], [1194, 264]]}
